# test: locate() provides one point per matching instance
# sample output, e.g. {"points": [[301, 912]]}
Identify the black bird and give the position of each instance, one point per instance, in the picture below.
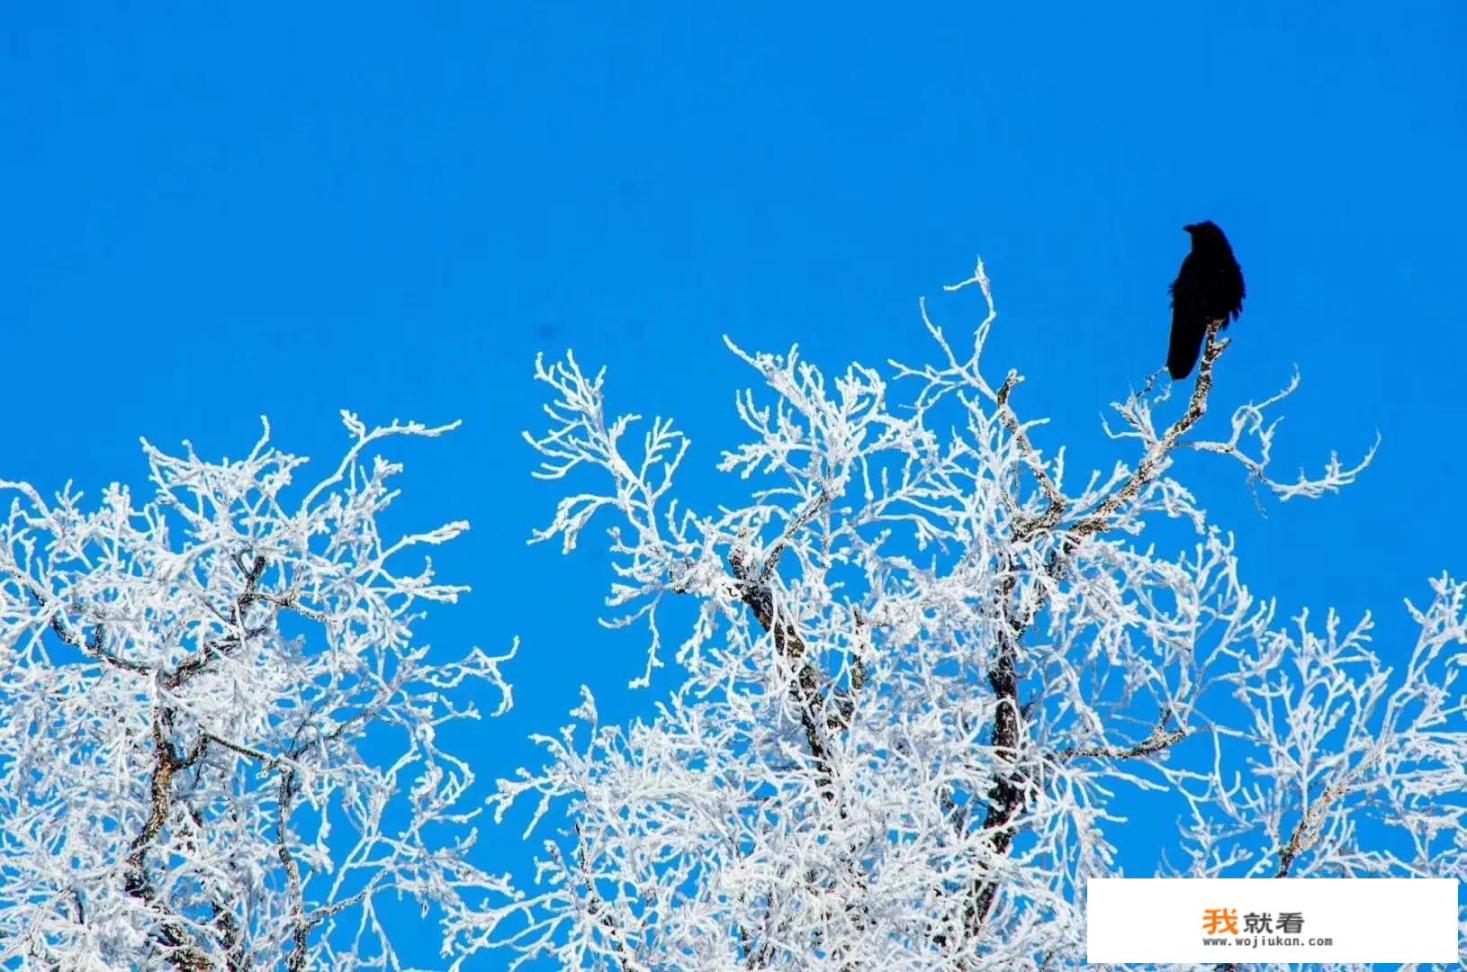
{"points": [[1209, 288]]}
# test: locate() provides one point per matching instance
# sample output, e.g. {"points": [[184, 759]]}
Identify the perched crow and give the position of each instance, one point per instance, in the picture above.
{"points": [[1209, 288]]}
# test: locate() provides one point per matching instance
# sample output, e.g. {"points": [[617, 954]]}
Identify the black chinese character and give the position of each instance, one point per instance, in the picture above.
{"points": [[1256, 923], [1291, 922]]}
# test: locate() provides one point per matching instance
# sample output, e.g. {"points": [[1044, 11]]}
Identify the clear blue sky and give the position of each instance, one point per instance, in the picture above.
{"points": [[213, 211]]}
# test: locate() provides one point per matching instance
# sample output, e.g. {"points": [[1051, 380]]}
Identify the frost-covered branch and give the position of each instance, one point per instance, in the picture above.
{"points": [[928, 676], [188, 683]]}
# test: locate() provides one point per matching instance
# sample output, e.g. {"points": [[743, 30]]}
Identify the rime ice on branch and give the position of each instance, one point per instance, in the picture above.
{"points": [[930, 676], [186, 685]]}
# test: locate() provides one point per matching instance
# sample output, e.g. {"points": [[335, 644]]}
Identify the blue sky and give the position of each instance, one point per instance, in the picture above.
{"points": [[215, 211]]}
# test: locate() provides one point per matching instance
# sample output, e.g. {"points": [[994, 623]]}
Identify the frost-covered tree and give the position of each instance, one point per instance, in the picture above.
{"points": [[930, 676], [197, 691]]}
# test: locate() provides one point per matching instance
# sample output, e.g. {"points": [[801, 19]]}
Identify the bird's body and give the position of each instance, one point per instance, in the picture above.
{"points": [[1208, 289]]}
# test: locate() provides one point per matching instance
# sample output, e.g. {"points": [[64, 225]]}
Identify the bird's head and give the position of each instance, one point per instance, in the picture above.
{"points": [[1206, 234]]}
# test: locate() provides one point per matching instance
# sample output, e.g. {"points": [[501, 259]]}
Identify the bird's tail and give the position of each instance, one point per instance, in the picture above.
{"points": [[1185, 345]]}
